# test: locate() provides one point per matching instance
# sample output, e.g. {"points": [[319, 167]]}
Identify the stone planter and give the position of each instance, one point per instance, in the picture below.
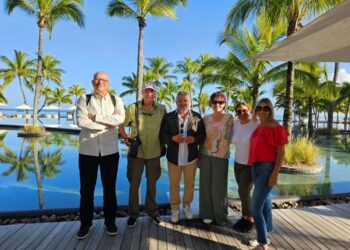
{"points": [[32, 135]]}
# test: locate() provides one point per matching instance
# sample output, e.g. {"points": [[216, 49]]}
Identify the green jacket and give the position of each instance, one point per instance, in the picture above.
{"points": [[149, 127]]}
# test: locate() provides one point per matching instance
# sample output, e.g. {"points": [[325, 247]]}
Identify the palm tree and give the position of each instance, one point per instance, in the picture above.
{"points": [[2, 96], [51, 72], [164, 96], [46, 92], [274, 12], [48, 13], [345, 98], [76, 90], [140, 10], [129, 82], [188, 68], [21, 68], [201, 102], [58, 96], [160, 68], [49, 162]]}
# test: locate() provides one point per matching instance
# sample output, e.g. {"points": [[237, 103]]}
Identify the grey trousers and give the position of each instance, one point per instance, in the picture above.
{"points": [[243, 174], [213, 189], [134, 173]]}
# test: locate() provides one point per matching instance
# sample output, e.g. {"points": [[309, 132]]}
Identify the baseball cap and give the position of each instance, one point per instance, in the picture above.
{"points": [[148, 85]]}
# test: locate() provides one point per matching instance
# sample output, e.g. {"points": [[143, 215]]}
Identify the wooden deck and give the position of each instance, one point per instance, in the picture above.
{"points": [[322, 227]]}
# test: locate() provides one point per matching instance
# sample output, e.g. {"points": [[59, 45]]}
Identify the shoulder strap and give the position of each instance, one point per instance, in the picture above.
{"points": [[88, 98], [114, 101]]}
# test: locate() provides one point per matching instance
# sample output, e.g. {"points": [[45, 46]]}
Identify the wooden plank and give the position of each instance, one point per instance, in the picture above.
{"points": [[8, 231], [204, 235], [46, 242], [232, 240], [170, 234], [95, 235], [136, 236], [196, 239], [340, 211], [338, 218], [17, 238], [306, 235], [179, 236], [162, 241], [59, 237], [32, 241], [114, 242], [324, 234], [241, 239], [153, 235], [69, 237], [187, 235], [145, 234]]}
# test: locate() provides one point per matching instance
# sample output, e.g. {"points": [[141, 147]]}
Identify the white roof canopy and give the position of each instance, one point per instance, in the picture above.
{"points": [[24, 107], [51, 107], [326, 39]]}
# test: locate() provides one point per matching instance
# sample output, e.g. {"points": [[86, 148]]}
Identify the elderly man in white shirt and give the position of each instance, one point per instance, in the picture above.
{"points": [[98, 116]]}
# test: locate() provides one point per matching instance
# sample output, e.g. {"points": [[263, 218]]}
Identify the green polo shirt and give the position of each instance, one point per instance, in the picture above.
{"points": [[149, 126]]}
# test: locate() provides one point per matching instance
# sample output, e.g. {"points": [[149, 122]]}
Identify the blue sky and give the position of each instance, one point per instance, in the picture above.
{"points": [[110, 44]]}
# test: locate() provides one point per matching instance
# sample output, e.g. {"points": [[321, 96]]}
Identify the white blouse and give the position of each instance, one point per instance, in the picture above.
{"points": [[241, 139]]}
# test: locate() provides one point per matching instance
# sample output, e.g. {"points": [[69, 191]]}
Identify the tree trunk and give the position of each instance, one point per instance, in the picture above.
{"points": [[330, 108], [22, 90], [255, 92], [288, 105], [39, 78], [346, 115], [38, 176], [142, 24], [309, 122]]}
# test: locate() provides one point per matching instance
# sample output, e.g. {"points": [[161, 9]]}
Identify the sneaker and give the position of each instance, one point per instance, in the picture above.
{"points": [[188, 212], [255, 243], [156, 219], [131, 222], [83, 232], [207, 221], [174, 216], [111, 230]]}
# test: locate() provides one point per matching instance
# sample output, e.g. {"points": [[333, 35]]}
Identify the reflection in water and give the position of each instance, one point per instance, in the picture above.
{"points": [[38, 170]]}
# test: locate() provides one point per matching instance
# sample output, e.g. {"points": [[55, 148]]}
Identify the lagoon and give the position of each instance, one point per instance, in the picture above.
{"points": [[53, 183]]}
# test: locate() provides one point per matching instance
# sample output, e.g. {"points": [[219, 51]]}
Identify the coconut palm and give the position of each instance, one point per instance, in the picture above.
{"points": [[76, 90], [164, 96], [275, 12], [51, 71], [2, 96], [188, 68], [49, 162], [130, 82], [21, 68], [139, 10], [46, 92], [160, 68], [47, 13], [58, 96], [345, 98], [201, 102]]}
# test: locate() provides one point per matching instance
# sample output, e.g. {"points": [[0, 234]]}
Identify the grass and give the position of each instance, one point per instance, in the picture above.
{"points": [[30, 129], [301, 151]]}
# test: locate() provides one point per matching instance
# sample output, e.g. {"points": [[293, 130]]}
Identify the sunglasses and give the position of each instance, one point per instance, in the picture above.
{"points": [[264, 108], [182, 128], [218, 102], [243, 111]]}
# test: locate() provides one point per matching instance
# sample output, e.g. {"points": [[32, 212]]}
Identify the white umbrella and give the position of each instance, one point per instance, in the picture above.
{"points": [[72, 107], [51, 107], [3, 104], [326, 39], [24, 107]]}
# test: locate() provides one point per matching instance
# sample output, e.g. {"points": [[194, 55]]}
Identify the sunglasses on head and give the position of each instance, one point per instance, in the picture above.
{"points": [[241, 111], [264, 108], [218, 102]]}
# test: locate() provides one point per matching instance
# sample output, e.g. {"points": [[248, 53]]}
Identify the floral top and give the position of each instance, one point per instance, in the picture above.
{"points": [[219, 134], [264, 143]]}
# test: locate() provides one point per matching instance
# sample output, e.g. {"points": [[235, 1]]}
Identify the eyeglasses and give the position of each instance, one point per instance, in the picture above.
{"points": [[218, 102], [182, 128], [101, 79], [264, 108], [241, 111]]}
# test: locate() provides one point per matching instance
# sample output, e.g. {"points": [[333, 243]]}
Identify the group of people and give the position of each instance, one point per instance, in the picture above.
{"points": [[191, 142]]}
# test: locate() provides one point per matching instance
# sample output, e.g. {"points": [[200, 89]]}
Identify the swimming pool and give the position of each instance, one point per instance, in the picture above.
{"points": [[53, 183]]}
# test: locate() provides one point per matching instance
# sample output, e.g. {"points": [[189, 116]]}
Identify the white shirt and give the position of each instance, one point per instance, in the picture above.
{"points": [[97, 137], [241, 139], [183, 148]]}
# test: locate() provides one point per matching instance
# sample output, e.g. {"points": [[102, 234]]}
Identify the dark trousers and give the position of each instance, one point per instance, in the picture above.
{"points": [[88, 167], [243, 174], [134, 173]]}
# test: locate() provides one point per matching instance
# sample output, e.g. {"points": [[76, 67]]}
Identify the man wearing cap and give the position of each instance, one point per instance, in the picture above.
{"points": [[144, 118]]}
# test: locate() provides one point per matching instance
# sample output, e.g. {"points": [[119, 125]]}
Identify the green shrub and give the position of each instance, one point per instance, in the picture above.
{"points": [[301, 151], [326, 131], [30, 129]]}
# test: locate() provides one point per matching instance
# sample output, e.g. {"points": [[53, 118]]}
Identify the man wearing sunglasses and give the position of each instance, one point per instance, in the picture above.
{"points": [[144, 118], [183, 132]]}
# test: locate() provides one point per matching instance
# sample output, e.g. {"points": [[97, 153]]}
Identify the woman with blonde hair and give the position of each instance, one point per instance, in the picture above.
{"points": [[267, 149]]}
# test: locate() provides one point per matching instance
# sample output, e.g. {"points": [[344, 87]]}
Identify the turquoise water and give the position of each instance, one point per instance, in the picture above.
{"points": [[54, 181]]}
